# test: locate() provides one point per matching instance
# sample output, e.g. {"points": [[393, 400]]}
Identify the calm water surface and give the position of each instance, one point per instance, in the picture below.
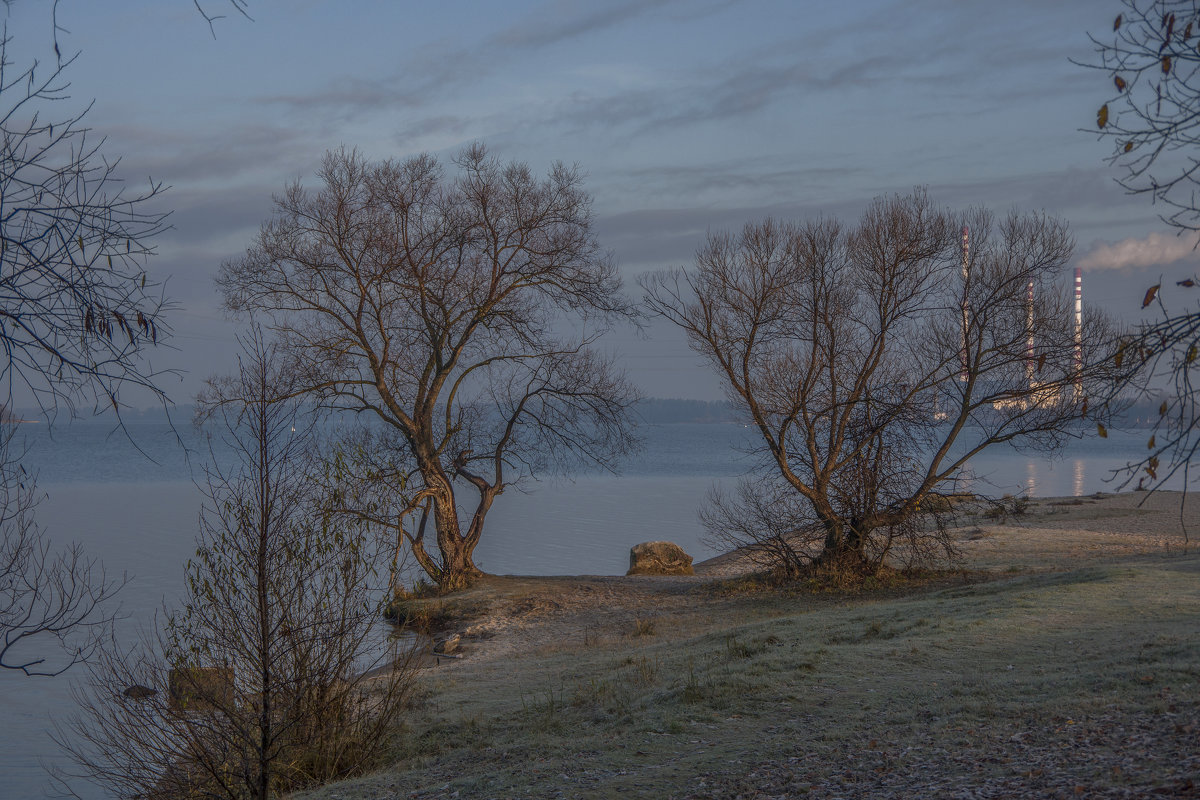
{"points": [[138, 511]]}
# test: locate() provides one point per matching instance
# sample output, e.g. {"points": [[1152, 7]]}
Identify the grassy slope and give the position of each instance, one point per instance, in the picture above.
{"points": [[1082, 683]]}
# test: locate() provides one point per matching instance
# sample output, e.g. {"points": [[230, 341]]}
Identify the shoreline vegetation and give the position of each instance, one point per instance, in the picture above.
{"points": [[1059, 659]]}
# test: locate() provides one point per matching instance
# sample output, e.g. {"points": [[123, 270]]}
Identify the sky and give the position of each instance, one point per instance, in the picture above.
{"points": [[687, 116]]}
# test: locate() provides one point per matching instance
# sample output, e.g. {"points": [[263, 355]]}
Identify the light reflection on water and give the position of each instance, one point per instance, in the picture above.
{"points": [[140, 517]]}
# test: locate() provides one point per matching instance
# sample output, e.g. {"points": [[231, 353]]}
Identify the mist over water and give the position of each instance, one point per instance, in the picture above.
{"points": [[137, 512]]}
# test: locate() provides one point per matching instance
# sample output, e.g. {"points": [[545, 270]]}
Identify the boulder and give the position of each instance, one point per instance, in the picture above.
{"points": [[659, 558], [139, 692]]}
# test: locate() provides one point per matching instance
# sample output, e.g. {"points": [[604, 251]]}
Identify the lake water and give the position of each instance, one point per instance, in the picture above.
{"points": [[139, 516]]}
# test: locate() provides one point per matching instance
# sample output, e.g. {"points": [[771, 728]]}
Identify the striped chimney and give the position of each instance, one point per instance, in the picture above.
{"points": [[1078, 330], [966, 314], [1030, 362]]}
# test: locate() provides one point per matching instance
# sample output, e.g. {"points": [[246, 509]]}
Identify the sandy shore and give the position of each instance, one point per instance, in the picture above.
{"points": [[503, 616]]}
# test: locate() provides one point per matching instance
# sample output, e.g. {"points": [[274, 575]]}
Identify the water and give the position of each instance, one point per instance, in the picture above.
{"points": [[139, 515]]}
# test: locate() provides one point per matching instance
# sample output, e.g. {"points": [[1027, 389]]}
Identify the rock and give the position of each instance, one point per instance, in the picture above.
{"points": [[139, 692], [448, 645], [659, 558]]}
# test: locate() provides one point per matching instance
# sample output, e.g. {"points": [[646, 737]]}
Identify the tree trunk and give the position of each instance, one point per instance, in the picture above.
{"points": [[454, 568], [458, 568], [844, 549]]}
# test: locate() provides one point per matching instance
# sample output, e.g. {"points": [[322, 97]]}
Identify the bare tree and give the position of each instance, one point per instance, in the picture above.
{"points": [[459, 312], [78, 315], [46, 596], [260, 684], [78, 312], [875, 368], [1152, 117]]}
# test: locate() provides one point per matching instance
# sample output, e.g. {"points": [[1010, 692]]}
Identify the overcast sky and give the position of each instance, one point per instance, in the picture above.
{"points": [[687, 115]]}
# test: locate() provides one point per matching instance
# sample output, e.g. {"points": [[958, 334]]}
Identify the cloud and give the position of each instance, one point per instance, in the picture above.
{"points": [[1157, 249], [738, 81], [654, 238], [749, 83], [674, 206], [438, 127], [437, 68], [219, 156], [549, 29]]}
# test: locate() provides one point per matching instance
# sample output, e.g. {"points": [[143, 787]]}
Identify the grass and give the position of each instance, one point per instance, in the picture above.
{"points": [[989, 682], [643, 626], [430, 615]]}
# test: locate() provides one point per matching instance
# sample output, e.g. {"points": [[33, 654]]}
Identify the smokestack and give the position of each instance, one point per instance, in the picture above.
{"points": [[1030, 363], [966, 318], [1079, 330]]}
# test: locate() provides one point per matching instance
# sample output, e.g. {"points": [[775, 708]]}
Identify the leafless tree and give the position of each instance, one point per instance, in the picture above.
{"points": [[461, 313], [78, 312], [260, 684], [78, 316], [846, 349], [46, 596], [1153, 119]]}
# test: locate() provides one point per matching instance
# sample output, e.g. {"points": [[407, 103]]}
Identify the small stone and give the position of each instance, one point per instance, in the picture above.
{"points": [[448, 645]]}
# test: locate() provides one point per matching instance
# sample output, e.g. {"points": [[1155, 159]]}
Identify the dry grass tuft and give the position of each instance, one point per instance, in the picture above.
{"points": [[643, 626]]}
